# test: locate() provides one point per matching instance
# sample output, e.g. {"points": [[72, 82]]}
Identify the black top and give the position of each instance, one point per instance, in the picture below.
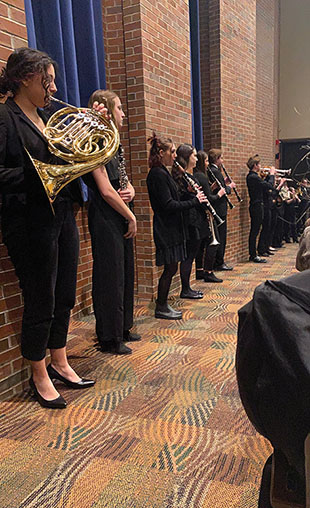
{"points": [[18, 177], [257, 186], [195, 219], [220, 204], [168, 224], [273, 362], [95, 197]]}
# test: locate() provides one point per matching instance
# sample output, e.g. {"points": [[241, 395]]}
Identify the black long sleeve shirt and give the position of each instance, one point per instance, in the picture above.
{"points": [[257, 186]]}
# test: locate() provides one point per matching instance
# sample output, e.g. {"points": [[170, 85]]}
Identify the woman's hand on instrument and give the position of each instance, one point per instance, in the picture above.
{"points": [[221, 192], [102, 109], [214, 186], [231, 184], [132, 228], [127, 194], [201, 197]]}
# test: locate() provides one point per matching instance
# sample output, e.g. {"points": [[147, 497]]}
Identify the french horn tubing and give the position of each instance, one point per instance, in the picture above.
{"points": [[82, 137]]}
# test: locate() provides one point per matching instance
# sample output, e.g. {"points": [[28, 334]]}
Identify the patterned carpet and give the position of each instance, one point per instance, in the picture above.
{"points": [[161, 428]]}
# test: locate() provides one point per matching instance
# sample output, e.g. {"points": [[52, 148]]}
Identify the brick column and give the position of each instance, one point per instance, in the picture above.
{"points": [[239, 52], [148, 57]]}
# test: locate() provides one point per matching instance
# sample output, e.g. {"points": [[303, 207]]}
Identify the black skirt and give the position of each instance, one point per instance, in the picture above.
{"points": [[172, 254]]}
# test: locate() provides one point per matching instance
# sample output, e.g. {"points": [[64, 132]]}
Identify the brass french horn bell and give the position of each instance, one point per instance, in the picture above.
{"points": [[83, 138]]}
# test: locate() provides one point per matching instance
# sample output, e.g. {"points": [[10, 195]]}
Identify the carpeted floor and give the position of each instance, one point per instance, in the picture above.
{"points": [[162, 428]]}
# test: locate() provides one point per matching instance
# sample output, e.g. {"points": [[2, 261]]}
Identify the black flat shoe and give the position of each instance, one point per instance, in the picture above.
{"points": [[116, 348], [58, 403], [84, 383], [211, 277], [199, 275], [121, 349], [191, 294], [167, 312], [223, 268], [131, 337], [257, 259]]}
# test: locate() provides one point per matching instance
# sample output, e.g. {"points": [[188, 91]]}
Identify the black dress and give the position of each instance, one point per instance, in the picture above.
{"points": [[168, 223], [43, 247], [113, 263]]}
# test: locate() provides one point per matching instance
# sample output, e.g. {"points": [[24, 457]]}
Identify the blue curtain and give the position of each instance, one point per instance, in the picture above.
{"points": [[70, 31], [197, 133]]}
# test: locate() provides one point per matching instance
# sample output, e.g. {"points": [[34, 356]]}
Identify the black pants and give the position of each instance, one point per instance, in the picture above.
{"points": [[273, 225], [303, 206], [206, 254], [290, 222], [113, 275], [222, 236], [44, 250], [256, 214], [263, 242], [278, 234]]}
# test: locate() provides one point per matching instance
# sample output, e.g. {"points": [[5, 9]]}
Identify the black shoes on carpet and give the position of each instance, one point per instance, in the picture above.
{"points": [[257, 259], [207, 276], [164, 311], [131, 337], [84, 383], [223, 267], [117, 348], [191, 294], [211, 277], [58, 403]]}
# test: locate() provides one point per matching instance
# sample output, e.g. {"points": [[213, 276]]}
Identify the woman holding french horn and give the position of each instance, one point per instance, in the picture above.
{"points": [[43, 246], [112, 227]]}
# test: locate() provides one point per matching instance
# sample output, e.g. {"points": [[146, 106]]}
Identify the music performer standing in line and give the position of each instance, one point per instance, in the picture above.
{"points": [[256, 186], [43, 247], [215, 175], [205, 258], [168, 222], [112, 227]]}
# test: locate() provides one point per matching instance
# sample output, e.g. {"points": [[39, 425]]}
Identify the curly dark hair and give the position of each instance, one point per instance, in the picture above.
{"points": [[24, 63], [157, 144]]}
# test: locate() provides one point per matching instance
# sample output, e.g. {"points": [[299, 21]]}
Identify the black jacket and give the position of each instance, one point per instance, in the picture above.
{"points": [[220, 204], [257, 187], [18, 177], [168, 225]]}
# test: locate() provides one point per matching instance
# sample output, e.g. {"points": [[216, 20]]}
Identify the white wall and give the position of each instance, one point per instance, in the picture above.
{"points": [[294, 97]]}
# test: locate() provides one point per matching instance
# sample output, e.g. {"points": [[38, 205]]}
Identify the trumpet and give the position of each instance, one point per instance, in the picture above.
{"points": [[279, 172]]}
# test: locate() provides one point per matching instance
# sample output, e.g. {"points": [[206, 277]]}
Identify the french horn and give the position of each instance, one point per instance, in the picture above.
{"points": [[82, 137]]}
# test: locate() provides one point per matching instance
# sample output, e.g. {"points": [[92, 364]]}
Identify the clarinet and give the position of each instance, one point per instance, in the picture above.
{"points": [[215, 179], [235, 190], [123, 177], [196, 188]]}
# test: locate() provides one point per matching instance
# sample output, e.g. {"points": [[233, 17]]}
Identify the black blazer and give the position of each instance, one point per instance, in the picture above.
{"points": [[220, 204], [257, 187], [168, 225], [17, 174]]}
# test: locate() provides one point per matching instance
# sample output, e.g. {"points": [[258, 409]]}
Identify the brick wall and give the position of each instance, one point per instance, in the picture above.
{"points": [[13, 369], [239, 58]]}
